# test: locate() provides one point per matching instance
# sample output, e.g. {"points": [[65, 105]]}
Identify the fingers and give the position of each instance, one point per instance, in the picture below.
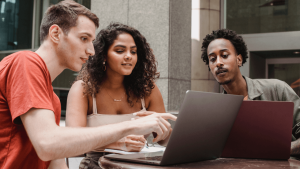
{"points": [[137, 138], [159, 132], [168, 128], [167, 116], [134, 146], [134, 143], [147, 113], [155, 123], [143, 113], [165, 127]]}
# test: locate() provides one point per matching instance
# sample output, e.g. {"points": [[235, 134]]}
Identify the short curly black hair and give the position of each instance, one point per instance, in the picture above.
{"points": [[237, 41]]}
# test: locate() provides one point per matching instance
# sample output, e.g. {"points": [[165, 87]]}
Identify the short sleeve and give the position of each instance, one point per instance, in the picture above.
{"points": [[28, 85]]}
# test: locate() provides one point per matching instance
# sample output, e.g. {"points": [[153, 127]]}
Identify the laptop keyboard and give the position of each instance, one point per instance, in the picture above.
{"points": [[155, 158]]}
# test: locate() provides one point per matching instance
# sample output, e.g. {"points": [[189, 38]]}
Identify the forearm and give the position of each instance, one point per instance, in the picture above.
{"points": [[115, 146], [66, 141], [295, 147], [53, 142], [59, 163]]}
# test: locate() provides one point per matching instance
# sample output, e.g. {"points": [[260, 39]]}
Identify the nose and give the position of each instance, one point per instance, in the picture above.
{"points": [[219, 62], [90, 50], [128, 56]]}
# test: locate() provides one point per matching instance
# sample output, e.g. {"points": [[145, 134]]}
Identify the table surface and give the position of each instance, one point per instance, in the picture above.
{"points": [[224, 163]]}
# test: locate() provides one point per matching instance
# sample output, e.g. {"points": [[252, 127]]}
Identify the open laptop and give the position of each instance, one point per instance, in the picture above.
{"points": [[262, 129], [200, 131]]}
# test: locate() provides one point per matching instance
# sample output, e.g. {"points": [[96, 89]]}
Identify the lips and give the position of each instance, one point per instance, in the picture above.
{"points": [[126, 64], [219, 71], [84, 59]]}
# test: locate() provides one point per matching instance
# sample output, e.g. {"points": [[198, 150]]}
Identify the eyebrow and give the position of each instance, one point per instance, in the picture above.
{"points": [[124, 46], [222, 50], [88, 34]]}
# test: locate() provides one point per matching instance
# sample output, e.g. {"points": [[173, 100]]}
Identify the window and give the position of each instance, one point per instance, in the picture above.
{"points": [[261, 16], [15, 24]]}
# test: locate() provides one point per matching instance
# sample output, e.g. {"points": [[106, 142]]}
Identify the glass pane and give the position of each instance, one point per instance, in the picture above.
{"points": [[261, 16], [290, 73], [15, 24]]}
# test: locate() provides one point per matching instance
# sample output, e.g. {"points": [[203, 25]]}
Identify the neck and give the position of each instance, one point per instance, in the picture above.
{"points": [[113, 80], [48, 53], [237, 87]]}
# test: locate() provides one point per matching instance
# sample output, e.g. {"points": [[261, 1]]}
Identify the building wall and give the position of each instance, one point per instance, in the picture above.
{"points": [[269, 42], [167, 27], [205, 19]]}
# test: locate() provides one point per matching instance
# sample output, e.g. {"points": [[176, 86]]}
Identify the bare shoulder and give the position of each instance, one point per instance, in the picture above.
{"points": [[77, 106], [78, 85], [77, 89], [154, 101], [154, 93]]}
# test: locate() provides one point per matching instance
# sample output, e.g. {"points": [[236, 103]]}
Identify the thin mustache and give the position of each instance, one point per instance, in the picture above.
{"points": [[221, 70]]}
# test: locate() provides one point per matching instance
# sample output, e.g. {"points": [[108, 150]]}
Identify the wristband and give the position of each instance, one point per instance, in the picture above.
{"points": [[296, 131]]}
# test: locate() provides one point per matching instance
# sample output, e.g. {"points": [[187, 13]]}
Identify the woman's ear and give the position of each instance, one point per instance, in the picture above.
{"points": [[54, 33], [239, 60]]}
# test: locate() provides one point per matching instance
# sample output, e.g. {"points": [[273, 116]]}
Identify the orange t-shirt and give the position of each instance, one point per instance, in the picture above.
{"points": [[25, 83]]}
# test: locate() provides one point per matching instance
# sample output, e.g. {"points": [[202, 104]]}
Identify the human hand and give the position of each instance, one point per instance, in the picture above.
{"points": [[163, 115], [131, 143], [154, 122]]}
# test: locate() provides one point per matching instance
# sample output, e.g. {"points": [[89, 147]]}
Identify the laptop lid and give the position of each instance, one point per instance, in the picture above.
{"points": [[262, 129], [200, 131], [202, 127]]}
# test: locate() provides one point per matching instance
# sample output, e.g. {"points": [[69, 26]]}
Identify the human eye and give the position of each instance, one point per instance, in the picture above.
{"points": [[84, 39], [119, 51], [133, 52], [212, 59], [225, 55]]}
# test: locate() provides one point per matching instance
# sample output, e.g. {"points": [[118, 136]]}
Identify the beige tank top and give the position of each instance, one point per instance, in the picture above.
{"points": [[95, 119]]}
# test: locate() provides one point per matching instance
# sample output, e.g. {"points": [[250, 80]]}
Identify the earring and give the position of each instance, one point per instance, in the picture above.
{"points": [[104, 66]]}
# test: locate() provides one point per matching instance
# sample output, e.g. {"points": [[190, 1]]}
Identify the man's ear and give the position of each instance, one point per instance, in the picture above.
{"points": [[239, 59], [54, 33]]}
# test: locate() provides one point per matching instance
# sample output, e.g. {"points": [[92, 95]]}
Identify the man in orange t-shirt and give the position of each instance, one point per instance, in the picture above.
{"points": [[26, 84], [30, 111]]}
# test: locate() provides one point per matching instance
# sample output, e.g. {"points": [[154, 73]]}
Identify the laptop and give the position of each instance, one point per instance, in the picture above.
{"points": [[200, 131], [262, 129]]}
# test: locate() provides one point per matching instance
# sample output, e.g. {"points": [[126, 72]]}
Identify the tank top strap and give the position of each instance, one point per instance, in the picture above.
{"points": [[94, 105], [143, 104]]}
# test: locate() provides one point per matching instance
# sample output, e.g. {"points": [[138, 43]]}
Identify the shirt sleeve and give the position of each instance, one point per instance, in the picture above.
{"points": [[27, 85], [288, 94]]}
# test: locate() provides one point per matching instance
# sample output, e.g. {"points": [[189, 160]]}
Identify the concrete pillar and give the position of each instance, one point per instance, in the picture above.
{"points": [[166, 24], [205, 19]]}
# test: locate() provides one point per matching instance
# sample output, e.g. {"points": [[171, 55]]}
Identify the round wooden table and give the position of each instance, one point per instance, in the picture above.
{"points": [[224, 163]]}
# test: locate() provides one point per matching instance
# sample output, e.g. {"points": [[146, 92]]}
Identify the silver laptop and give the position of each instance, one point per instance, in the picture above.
{"points": [[200, 132]]}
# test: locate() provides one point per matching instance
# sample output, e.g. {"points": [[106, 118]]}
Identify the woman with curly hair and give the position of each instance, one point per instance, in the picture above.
{"points": [[115, 83]]}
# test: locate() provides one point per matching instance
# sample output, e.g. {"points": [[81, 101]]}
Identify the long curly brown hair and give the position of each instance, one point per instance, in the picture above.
{"points": [[139, 83]]}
